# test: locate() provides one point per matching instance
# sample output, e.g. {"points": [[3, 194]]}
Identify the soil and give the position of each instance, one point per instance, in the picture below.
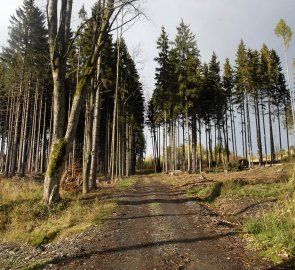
{"points": [[157, 227]]}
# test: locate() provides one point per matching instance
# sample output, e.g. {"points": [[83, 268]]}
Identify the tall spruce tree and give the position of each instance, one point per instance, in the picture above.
{"points": [[254, 89], [187, 66], [25, 57], [162, 96], [228, 85]]}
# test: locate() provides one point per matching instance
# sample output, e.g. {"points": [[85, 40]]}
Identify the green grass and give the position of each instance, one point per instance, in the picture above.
{"points": [[208, 193], [274, 233], [154, 204], [127, 183], [238, 189], [200, 191]]}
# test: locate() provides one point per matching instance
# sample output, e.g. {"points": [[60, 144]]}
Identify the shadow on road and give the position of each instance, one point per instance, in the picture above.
{"points": [[87, 255], [151, 216], [157, 200]]}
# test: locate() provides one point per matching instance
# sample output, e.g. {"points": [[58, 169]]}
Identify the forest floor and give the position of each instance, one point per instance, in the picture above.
{"points": [[159, 223]]}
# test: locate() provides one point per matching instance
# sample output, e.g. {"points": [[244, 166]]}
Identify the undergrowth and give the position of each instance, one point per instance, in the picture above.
{"points": [[25, 219]]}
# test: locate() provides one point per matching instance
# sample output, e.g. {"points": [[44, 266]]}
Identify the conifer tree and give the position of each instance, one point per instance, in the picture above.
{"points": [[228, 85], [187, 65], [164, 94], [25, 56], [268, 91], [254, 86]]}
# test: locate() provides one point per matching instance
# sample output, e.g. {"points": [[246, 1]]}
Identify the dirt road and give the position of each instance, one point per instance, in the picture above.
{"points": [[157, 227]]}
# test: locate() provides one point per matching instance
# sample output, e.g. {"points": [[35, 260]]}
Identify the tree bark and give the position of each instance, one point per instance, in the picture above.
{"points": [[62, 146]]}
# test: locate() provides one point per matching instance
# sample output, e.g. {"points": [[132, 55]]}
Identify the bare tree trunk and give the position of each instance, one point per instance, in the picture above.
{"points": [[33, 133], [264, 131], [183, 145], [50, 135], [174, 145], [42, 163], [164, 170], [243, 139], [37, 154], [207, 152], [287, 130], [88, 139], [188, 142], [271, 138], [245, 131], [96, 127], [16, 136], [116, 97], [280, 132], [25, 131], [258, 131], [165, 148], [249, 132], [210, 146], [233, 135], [200, 144], [194, 146]]}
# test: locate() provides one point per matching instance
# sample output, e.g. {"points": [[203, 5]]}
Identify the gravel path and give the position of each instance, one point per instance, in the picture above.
{"points": [[156, 227]]}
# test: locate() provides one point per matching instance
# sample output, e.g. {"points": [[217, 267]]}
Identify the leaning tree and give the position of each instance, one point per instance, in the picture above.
{"points": [[60, 46]]}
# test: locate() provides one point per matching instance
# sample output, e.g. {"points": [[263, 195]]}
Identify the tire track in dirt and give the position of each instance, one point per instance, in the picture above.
{"points": [[157, 228]]}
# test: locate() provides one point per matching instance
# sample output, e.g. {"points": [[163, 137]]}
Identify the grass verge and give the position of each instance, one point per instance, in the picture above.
{"points": [[239, 189], [25, 219], [272, 230], [273, 234]]}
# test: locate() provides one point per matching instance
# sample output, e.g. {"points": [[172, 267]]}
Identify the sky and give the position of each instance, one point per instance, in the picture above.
{"points": [[219, 25]]}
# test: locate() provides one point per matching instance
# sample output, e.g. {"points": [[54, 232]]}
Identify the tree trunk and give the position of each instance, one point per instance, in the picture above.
{"points": [[280, 133], [96, 128], [258, 132], [88, 139], [264, 131], [188, 141], [271, 138], [200, 144], [62, 146]]}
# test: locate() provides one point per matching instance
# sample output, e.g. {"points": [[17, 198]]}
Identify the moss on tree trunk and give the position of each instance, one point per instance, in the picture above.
{"points": [[54, 171]]}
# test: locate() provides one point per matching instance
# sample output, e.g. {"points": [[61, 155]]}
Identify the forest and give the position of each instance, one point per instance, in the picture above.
{"points": [[248, 101], [95, 173], [109, 139]]}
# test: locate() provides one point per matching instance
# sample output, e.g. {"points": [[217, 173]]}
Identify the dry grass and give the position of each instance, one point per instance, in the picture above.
{"points": [[25, 219], [254, 176], [19, 190]]}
